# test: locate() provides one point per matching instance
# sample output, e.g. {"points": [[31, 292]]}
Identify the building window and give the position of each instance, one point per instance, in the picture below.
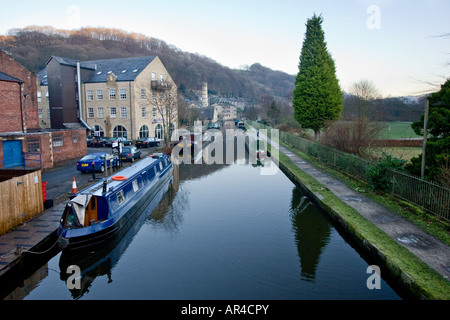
{"points": [[100, 94], [48, 113], [112, 94], [90, 112], [113, 112], [90, 95], [46, 96], [123, 112], [58, 140], [98, 131], [120, 131], [100, 112], [154, 112], [158, 131], [144, 112], [40, 113], [153, 76], [143, 132], [75, 137], [143, 94], [39, 95], [34, 145], [123, 94]]}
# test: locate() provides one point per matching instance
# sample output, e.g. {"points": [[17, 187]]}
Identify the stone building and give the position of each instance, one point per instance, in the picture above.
{"points": [[125, 97]]}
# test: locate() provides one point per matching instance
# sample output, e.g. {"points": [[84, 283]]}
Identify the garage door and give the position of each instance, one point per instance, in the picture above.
{"points": [[12, 154]]}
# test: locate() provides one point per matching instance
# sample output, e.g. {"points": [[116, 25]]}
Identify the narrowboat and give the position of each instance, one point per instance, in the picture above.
{"points": [[98, 212]]}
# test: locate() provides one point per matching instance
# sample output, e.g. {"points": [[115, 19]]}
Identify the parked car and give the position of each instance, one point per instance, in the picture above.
{"points": [[147, 142], [214, 125], [112, 141], [130, 153], [98, 159], [99, 142]]}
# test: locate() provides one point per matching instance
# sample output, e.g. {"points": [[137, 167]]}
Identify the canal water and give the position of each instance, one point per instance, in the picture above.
{"points": [[218, 232]]}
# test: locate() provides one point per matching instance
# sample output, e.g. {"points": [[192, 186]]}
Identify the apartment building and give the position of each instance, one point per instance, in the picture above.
{"points": [[125, 97]]}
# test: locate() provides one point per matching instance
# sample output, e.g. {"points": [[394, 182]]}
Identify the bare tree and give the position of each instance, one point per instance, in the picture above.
{"points": [[166, 103], [355, 136]]}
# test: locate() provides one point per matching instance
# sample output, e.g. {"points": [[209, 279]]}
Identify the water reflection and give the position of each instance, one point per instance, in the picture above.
{"points": [[101, 260], [312, 233]]}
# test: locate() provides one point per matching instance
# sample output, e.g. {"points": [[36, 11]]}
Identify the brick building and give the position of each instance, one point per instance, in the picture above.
{"points": [[23, 143]]}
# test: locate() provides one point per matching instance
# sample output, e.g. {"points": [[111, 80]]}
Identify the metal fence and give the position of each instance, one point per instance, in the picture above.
{"points": [[426, 194]]}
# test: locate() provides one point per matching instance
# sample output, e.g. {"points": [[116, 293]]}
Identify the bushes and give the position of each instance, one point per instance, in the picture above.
{"points": [[378, 174]]}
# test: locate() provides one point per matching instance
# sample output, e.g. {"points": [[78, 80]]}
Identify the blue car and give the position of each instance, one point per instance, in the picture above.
{"points": [[98, 159]]}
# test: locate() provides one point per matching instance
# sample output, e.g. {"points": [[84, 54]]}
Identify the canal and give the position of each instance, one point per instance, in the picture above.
{"points": [[218, 232]]}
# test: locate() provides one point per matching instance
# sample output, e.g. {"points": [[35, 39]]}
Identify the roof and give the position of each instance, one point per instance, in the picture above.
{"points": [[42, 76], [5, 77], [125, 69]]}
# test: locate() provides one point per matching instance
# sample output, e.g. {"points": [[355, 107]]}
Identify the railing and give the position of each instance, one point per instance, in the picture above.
{"points": [[428, 195], [28, 160], [160, 85]]}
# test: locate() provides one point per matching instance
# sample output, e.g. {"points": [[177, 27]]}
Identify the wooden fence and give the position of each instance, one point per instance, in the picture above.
{"points": [[21, 197], [428, 195]]}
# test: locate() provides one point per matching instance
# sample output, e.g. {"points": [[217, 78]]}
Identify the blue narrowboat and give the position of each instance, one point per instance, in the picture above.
{"points": [[98, 212]]}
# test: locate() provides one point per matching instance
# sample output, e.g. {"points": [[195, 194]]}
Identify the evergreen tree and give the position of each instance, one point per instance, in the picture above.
{"points": [[438, 142], [317, 96]]}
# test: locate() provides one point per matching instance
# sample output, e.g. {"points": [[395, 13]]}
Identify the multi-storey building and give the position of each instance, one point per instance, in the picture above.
{"points": [[23, 143], [126, 97]]}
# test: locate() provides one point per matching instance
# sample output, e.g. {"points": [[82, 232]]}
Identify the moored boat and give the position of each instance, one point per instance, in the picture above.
{"points": [[99, 211]]}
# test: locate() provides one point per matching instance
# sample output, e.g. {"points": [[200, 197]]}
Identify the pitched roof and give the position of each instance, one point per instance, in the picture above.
{"points": [[125, 69], [5, 77]]}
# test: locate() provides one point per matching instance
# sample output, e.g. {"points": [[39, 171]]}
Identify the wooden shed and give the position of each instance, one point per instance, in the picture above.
{"points": [[21, 197]]}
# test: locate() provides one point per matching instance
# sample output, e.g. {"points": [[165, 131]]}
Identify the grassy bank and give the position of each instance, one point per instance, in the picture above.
{"points": [[419, 279]]}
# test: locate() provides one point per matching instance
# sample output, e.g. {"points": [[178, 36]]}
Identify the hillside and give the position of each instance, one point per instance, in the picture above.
{"points": [[33, 46]]}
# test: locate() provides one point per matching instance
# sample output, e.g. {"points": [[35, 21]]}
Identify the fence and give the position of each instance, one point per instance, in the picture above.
{"points": [[21, 197], [425, 194]]}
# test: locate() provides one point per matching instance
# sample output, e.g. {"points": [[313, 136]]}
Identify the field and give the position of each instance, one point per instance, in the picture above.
{"points": [[397, 130]]}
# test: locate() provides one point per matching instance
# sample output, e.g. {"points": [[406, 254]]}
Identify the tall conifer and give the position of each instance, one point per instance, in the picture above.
{"points": [[317, 95]]}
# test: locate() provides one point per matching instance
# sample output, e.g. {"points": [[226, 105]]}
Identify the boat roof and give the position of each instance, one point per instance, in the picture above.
{"points": [[129, 172]]}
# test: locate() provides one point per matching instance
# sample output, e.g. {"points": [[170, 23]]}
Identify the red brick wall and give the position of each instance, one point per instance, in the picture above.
{"points": [[29, 103], [70, 149], [10, 105]]}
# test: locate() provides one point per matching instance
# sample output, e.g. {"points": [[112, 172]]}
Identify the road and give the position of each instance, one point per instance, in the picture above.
{"points": [[59, 179]]}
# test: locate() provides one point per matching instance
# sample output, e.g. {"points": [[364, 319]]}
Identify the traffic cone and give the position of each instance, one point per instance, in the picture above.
{"points": [[74, 186]]}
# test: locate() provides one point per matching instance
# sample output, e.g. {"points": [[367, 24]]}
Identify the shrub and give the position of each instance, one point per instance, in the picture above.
{"points": [[378, 174]]}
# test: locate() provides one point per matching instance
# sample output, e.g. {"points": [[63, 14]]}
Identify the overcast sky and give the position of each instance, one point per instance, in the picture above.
{"points": [[396, 44]]}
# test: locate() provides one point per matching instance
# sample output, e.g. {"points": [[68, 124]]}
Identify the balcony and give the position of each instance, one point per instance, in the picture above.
{"points": [[160, 85]]}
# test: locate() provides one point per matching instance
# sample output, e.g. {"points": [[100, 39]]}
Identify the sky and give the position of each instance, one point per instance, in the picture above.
{"points": [[398, 45]]}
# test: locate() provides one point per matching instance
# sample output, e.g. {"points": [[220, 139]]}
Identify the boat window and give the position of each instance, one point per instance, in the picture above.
{"points": [[120, 197], [135, 186], [156, 170], [160, 166]]}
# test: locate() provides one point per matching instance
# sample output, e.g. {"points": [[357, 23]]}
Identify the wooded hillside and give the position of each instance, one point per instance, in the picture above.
{"points": [[33, 46]]}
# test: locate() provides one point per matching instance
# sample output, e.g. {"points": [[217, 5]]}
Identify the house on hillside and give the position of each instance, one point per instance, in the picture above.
{"points": [[122, 97], [23, 143]]}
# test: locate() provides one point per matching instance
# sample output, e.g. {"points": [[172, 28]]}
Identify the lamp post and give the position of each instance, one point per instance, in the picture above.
{"points": [[425, 135]]}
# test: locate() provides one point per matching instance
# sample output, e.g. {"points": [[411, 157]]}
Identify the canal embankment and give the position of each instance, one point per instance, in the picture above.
{"points": [[417, 261]]}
